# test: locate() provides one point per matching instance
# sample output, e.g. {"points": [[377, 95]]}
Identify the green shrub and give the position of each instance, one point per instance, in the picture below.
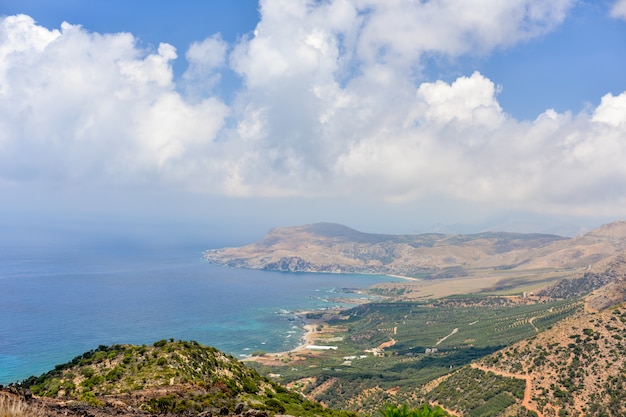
{"points": [[404, 411], [275, 405], [114, 374], [90, 398], [160, 343]]}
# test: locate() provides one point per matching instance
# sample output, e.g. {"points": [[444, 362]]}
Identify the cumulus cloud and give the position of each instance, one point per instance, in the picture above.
{"points": [[78, 105], [618, 10], [205, 60], [399, 32], [331, 104]]}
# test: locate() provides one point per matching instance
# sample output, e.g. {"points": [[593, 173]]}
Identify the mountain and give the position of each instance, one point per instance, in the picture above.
{"points": [[327, 247], [446, 264], [173, 378]]}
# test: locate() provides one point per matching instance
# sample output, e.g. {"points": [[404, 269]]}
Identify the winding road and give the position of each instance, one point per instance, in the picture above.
{"points": [[527, 391]]}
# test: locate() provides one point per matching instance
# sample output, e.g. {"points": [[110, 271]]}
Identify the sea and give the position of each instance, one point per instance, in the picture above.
{"points": [[58, 301]]}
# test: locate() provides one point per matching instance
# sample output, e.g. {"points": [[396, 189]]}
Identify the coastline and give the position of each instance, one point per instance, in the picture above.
{"points": [[307, 339], [307, 343], [403, 277], [381, 274]]}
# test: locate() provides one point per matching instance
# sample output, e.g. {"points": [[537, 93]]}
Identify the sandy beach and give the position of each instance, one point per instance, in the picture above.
{"points": [[278, 358]]}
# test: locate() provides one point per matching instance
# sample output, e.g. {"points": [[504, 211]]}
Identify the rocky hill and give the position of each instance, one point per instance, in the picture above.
{"points": [[577, 368], [326, 247], [173, 378]]}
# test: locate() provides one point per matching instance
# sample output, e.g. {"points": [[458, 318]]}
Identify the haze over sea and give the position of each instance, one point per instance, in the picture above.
{"points": [[60, 299]]}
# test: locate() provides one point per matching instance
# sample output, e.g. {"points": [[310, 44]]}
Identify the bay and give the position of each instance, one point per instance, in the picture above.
{"points": [[58, 302]]}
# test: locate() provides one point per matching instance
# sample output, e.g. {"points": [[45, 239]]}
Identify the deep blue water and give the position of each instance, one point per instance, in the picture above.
{"points": [[58, 302]]}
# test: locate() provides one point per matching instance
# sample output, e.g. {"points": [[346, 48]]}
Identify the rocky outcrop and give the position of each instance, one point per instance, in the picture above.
{"points": [[614, 292]]}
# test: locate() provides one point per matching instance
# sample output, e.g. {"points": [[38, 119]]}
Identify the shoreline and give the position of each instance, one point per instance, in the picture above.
{"points": [[307, 339], [310, 328], [403, 277], [381, 274]]}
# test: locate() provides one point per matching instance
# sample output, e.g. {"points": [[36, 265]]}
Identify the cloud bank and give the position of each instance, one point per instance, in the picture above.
{"points": [[333, 103]]}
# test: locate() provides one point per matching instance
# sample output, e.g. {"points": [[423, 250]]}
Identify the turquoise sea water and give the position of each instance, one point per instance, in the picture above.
{"points": [[56, 303]]}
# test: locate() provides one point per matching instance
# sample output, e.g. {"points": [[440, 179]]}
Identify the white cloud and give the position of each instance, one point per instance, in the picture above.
{"points": [[331, 105], [81, 106], [468, 100], [400, 31], [205, 60], [618, 10], [612, 110]]}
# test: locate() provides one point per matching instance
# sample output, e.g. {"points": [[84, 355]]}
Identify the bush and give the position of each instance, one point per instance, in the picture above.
{"points": [[115, 374], [90, 398], [160, 343], [404, 411], [275, 405]]}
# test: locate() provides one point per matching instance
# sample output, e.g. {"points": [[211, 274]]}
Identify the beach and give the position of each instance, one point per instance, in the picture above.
{"points": [[310, 336]]}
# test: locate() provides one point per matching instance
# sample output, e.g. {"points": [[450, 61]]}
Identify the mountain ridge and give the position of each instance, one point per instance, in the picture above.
{"points": [[329, 247], [479, 262]]}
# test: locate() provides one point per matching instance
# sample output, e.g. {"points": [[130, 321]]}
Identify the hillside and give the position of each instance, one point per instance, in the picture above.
{"points": [[326, 247], [476, 355], [507, 263], [577, 368], [179, 378]]}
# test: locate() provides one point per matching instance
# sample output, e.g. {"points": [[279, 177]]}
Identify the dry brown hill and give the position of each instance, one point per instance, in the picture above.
{"points": [[490, 261], [326, 247], [575, 368]]}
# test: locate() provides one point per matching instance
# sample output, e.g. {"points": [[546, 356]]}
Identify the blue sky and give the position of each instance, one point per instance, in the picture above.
{"points": [[386, 116]]}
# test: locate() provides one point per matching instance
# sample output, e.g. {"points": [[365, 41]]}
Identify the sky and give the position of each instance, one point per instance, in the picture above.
{"points": [[226, 118]]}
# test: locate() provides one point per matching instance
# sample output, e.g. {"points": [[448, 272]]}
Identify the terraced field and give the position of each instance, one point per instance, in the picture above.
{"points": [[386, 352]]}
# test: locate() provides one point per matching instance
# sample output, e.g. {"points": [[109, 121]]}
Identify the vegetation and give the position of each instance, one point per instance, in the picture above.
{"points": [[584, 358], [426, 341], [198, 379], [477, 393], [12, 406], [404, 411], [577, 287]]}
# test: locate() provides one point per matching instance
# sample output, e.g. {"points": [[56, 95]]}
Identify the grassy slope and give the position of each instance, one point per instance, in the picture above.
{"points": [[178, 377]]}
